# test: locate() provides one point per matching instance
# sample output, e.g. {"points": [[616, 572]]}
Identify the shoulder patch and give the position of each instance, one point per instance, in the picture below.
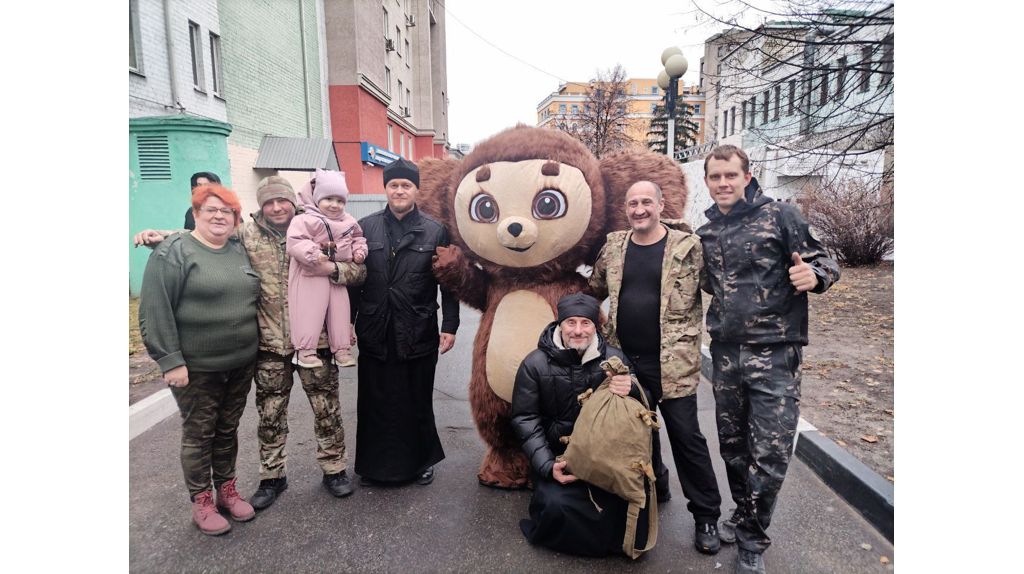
{"points": [[813, 233]]}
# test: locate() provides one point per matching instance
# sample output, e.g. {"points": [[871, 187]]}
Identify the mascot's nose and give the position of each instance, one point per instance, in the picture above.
{"points": [[515, 229], [517, 233]]}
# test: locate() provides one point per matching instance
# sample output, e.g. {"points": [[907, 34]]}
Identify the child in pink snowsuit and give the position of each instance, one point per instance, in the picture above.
{"points": [[323, 233]]}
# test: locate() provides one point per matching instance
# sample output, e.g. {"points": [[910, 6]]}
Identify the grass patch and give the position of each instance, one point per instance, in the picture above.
{"points": [[135, 344]]}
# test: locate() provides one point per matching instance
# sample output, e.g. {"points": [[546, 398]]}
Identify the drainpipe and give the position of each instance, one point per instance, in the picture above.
{"points": [[170, 56], [305, 78]]}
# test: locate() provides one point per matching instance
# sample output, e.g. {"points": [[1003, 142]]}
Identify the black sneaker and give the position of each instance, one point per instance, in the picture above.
{"points": [[338, 484], [706, 539], [727, 529], [267, 492], [750, 563], [427, 477]]}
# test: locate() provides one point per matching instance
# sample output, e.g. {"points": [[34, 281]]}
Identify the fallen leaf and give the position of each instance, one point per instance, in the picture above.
{"points": [[840, 443], [866, 438], [880, 429], [883, 560], [890, 411], [873, 384], [717, 564], [891, 479], [866, 546], [870, 380]]}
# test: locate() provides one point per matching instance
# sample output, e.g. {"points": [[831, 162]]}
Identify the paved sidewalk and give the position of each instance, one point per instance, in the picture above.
{"points": [[454, 524]]}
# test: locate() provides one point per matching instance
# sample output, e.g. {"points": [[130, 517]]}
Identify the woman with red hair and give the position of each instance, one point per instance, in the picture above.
{"points": [[198, 320]]}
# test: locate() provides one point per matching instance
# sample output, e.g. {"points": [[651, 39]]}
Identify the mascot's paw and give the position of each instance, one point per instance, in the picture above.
{"points": [[505, 469], [449, 265]]}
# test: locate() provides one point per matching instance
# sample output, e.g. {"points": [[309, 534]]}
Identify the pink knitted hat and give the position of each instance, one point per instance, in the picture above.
{"points": [[329, 184]]}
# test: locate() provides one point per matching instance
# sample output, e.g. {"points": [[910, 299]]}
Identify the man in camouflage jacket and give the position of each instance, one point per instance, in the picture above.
{"points": [[263, 237], [651, 274], [761, 258]]}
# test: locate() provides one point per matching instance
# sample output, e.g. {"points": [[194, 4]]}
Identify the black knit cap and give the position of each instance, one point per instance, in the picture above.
{"points": [[578, 305], [402, 168]]}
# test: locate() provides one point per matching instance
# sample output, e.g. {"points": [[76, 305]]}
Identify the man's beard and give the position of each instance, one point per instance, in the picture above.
{"points": [[581, 347]]}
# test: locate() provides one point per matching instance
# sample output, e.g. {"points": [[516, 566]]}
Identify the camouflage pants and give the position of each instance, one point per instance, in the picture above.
{"points": [[273, 388], [757, 396], [211, 405]]}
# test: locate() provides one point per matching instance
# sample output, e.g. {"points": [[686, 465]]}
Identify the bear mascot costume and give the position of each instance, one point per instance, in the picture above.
{"points": [[524, 211]]}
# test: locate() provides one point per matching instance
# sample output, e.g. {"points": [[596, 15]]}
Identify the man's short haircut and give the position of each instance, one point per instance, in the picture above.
{"points": [[208, 175], [657, 188], [725, 153]]}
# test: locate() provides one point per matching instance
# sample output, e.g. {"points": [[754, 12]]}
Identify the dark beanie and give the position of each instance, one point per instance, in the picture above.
{"points": [[578, 305], [402, 168]]}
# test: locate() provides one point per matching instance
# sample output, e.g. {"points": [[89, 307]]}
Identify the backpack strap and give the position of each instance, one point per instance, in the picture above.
{"points": [[328, 226], [632, 515]]}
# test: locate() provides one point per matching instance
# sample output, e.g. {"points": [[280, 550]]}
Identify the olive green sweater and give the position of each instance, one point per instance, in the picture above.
{"points": [[198, 306]]}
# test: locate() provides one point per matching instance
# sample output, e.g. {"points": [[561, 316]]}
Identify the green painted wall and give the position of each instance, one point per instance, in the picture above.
{"points": [[193, 144], [262, 55]]}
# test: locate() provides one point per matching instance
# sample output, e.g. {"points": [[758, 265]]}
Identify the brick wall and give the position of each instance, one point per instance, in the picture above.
{"points": [[149, 94]]}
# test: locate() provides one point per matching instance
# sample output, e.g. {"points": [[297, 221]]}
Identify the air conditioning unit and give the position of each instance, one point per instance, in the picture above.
{"points": [[410, 20], [389, 45], [406, 113]]}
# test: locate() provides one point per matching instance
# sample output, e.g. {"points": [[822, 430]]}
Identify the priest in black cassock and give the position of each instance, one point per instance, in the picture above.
{"points": [[395, 316]]}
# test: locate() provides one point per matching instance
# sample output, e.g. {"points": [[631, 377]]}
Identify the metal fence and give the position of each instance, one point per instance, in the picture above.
{"points": [[360, 205]]}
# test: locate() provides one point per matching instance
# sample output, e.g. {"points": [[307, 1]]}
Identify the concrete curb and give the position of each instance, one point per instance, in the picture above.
{"points": [[146, 413], [864, 489]]}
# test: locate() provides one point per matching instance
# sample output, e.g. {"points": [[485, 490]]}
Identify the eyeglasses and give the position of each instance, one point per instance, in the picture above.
{"points": [[226, 212]]}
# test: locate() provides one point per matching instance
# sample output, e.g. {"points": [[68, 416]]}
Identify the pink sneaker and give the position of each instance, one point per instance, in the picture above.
{"points": [[228, 499], [343, 358], [205, 514], [307, 358]]}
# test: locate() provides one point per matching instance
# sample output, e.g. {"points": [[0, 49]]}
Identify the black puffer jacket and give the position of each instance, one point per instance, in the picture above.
{"points": [[544, 405], [401, 289], [747, 257]]}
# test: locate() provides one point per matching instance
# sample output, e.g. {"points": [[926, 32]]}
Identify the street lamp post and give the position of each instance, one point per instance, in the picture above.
{"points": [[668, 80]]}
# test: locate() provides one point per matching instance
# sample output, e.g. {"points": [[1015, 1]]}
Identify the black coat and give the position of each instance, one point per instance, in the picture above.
{"points": [[747, 257], [544, 404], [401, 289]]}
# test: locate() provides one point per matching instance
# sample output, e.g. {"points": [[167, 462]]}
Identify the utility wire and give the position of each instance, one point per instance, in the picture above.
{"points": [[449, 12]]}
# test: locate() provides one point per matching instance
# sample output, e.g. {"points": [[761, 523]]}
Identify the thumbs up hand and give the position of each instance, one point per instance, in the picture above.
{"points": [[801, 275]]}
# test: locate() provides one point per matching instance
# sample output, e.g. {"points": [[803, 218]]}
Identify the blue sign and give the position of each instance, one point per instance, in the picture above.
{"points": [[376, 155]]}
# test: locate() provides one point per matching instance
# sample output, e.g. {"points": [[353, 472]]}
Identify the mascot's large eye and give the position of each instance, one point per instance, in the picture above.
{"points": [[484, 209], [549, 204]]}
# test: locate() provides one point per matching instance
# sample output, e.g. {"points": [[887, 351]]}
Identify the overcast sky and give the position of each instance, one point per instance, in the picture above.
{"points": [[489, 91]]}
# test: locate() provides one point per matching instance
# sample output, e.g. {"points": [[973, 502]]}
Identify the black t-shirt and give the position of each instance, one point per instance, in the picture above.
{"points": [[639, 320]]}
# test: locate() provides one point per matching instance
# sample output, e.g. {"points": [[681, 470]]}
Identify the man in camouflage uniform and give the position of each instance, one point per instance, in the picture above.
{"points": [[761, 258], [651, 274], [264, 237]]}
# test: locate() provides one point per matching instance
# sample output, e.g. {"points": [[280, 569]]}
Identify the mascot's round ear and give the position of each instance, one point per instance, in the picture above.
{"points": [[622, 169], [437, 187]]}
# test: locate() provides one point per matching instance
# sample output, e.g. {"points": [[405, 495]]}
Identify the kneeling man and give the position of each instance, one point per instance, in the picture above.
{"points": [[563, 511]]}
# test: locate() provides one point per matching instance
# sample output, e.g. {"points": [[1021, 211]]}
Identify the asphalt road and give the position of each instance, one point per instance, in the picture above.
{"points": [[454, 524]]}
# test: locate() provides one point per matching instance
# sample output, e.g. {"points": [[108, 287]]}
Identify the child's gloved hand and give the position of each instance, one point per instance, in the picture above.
{"points": [[321, 258], [359, 257]]}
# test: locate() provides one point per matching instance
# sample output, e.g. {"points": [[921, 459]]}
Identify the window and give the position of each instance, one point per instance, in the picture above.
{"points": [[391, 140], [385, 23], [654, 90], [743, 116], [719, 68], [634, 88], [387, 80], [725, 124], [792, 96], [824, 88], [887, 61], [400, 93], [764, 110], [398, 41], [696, 110], [654, 106], [561, 108], [408, 100], [778, 102], [401, 143], [733, 126], [218, 79], [196, 44], [408, 55], [134, 41], [865, 69], [444, 105], [575, 109], [841, 79], [620, 109], [720, 49]]}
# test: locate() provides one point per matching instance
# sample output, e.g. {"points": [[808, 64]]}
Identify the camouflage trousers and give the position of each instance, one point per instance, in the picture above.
{"points": [[757, 396], [211, 405], [273, 388]]}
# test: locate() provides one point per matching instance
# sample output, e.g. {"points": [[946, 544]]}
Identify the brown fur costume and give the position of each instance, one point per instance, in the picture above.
{"points": [[524, 210]]}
